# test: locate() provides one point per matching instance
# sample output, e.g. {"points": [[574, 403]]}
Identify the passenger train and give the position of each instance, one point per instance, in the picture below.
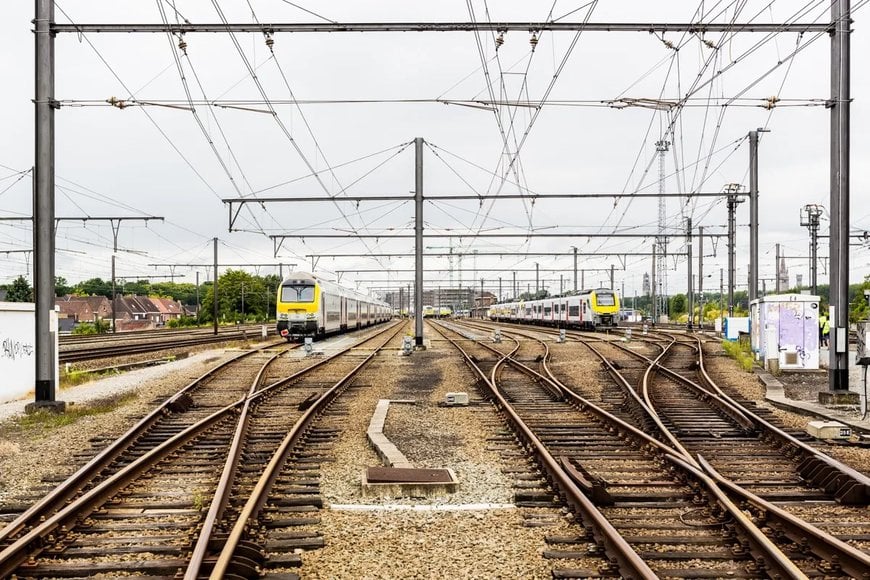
{"points": [[589, 309], [310, 306]]}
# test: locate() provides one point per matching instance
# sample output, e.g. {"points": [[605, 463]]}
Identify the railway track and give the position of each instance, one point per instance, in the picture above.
{"points": [[86, 350], [139, 506], [790, 547]]}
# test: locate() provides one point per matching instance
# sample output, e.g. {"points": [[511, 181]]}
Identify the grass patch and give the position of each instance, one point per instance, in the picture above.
{"points": [[48, 420], [742, 353], [75, 378]]}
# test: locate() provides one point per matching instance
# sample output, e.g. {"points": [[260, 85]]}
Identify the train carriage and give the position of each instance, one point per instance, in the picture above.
{"points": [[597, 308], [310, 306]]}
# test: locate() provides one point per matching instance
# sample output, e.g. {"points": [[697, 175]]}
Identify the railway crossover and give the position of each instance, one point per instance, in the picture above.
{"points": [[775, 540], [139, 506]]}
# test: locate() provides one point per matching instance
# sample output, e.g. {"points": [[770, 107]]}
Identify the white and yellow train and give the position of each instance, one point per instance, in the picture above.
{"points": [[310, 306], [587, 309]]}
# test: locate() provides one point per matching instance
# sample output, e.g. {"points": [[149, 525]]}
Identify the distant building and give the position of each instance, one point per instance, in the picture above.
{"points": [[781, 276], [141, 312], [79, 309]]}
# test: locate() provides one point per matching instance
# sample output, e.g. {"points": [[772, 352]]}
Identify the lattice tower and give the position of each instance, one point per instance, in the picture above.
{"points": [[662, 241]]}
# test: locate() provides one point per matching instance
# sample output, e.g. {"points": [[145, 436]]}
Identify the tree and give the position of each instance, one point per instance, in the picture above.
{"points": [[94, 287], [19, 291], [61, 288], [858, 308], [678, 305], [232, 286]]}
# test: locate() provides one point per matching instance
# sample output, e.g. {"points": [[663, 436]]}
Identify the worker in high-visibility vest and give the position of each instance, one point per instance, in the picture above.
{"points": [[824, 330]]}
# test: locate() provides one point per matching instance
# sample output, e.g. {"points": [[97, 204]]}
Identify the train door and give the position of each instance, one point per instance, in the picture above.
{"points": [[343, 317]]}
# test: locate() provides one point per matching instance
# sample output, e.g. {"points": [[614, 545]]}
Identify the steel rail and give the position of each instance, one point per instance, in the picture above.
{"points": [[222, 492], [259, 494], [631, 565], [773, 561], [20, 550], [71, 512], [764, 548], [93, 353], [735, 412], [63, 493], [820, 543], [221, 497], [850, 559], [847, 484]]}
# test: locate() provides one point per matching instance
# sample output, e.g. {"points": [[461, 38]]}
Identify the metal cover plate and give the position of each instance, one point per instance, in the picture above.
{"points": [[407, 475]]}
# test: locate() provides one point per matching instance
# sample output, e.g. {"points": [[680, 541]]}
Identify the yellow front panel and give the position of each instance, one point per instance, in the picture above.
{"points": [[299, 307], [605, 309]]}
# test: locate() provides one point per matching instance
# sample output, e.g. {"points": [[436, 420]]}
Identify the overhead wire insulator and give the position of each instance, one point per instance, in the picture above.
{"points": [[533, 41], [182, 46], [499, 40], [270, 42], [770, 102]]}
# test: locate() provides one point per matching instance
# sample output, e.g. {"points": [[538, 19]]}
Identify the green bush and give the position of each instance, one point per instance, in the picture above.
{"points": [[741, 353], [84, 328], [181, 322]]}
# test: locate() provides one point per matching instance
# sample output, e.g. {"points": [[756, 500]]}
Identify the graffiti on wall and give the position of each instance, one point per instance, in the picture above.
{"points": [[15, 349]]}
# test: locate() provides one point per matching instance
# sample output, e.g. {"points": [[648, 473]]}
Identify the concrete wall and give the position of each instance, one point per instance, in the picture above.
{"points": [[18, 349]]}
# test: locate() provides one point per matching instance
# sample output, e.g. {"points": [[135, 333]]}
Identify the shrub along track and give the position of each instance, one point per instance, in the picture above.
{"points": [[793, 535], [137, 505]]}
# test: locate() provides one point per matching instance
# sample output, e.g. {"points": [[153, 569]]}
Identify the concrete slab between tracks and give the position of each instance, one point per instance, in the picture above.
{"points": [[400, 478], [775, 394]]}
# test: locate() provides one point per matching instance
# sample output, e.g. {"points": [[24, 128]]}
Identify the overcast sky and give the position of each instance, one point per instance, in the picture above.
{"points": [[157, 160]]}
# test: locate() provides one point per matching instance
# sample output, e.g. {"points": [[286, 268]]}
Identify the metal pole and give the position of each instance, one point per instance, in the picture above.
{"points": [[561, 284], [281, 271], [575, 268], [215, 287], [691, 284], [721, 290], [732, 233], [612, 287], [701, 276], [499, 289], [43, 211], [753, 215], [481, 297], [838, 298], [113, 294], [653, 297], [776, 269], [197, 297], [814, 250], [515, 284], [537, 279], [582, 279], [418, 248]]}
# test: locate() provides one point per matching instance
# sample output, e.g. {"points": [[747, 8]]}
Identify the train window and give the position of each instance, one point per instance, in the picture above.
{"points": [[297, 293], [604, 299], [574, 310]]}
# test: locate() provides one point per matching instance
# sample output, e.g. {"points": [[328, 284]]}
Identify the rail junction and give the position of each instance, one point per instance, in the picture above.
{"points": [[649, 469]]}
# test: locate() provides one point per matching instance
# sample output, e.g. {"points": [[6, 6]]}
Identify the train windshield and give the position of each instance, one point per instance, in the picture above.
{"points": [[604, 299], [297, 293]]}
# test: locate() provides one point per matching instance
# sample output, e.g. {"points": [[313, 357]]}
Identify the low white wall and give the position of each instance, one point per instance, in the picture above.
{"points": [[18, 349]]}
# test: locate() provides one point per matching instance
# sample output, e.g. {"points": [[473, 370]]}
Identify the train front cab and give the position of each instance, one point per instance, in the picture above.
{"points": [[298, 308], [605, 307]]}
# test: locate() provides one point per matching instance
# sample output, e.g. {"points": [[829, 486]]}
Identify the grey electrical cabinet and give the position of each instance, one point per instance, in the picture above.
{"points": [[862, 357]]}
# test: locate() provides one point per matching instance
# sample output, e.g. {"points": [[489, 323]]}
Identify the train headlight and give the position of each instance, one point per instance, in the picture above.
{"points": [[283, 316], [311, 316]]}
